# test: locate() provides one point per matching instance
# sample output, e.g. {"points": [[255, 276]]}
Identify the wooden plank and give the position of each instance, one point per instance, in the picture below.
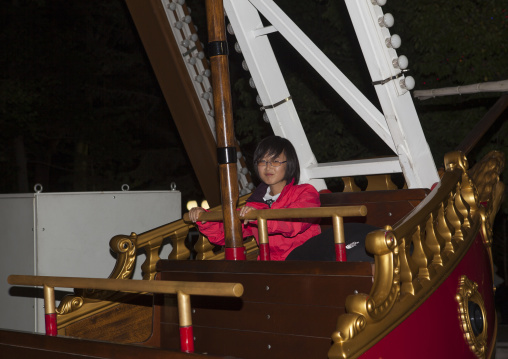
{"points": [[39, 353], [352, 198], [254, 345], [30, 345], [124, 323], [251, 267], [383, 207], [291, 306], [287, 289], [273, 318]]}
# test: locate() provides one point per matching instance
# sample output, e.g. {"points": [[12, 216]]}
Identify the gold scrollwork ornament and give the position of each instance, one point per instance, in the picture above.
{"points": [[469, 298]]}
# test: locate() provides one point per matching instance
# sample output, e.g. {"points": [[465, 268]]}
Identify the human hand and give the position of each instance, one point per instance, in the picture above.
{"points": [[194, 214], [243, 211]]}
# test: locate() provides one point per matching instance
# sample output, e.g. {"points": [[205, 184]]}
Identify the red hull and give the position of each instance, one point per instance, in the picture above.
{"points": [[434, 330]]}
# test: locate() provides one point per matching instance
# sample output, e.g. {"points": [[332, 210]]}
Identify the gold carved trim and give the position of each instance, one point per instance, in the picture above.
{"points": [[413, 259], [468, 292], [88, 302]]}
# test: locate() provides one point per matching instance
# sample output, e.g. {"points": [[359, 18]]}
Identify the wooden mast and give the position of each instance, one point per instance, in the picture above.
{"points": [[226, 150]]}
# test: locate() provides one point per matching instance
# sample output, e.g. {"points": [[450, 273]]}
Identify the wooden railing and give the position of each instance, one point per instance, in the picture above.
{"points": [[261, 216], [126, 247], [183, 290], [445, 224]]}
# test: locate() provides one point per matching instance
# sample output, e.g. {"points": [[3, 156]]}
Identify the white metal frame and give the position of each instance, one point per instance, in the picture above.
{"points": [[398, 126]]}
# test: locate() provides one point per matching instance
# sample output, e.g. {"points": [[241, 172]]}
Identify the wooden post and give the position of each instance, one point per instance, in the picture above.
{"points": [[338, 235], [185, 316], [264, 245], [50, 311], [226, 150]]}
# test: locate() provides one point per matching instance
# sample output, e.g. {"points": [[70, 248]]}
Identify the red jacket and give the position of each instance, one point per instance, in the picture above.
{"points": [[284, 236]]}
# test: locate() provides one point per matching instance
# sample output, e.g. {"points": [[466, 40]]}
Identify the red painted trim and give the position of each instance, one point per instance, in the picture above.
{"points": [[264, 251], [340, 252], [187, 339], [51, 328], [235, 254]]}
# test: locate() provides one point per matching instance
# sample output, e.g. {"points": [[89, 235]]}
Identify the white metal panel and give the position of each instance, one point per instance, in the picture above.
{"points": [[71, 237], [326, 68], [398, 126], [270, 84], [17, 257], [398, 107]]}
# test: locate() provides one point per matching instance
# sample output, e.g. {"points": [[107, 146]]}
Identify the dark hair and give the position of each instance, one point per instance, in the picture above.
{"points": [[273, 146]]}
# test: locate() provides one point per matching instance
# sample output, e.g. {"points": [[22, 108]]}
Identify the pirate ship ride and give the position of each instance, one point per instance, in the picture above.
{"points": [[431, 293]]}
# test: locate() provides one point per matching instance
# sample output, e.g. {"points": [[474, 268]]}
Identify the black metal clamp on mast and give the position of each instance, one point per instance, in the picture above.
{"points": [[226, 150]]}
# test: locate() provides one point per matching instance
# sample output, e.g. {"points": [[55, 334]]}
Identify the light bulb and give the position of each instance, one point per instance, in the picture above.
{"points": [[251, 83], [408, 83], [258, 100], [172, 6], [187, 19], [394, 41], [191, 204], [237, 48], [192, 61], [194, 37], [386, 20], [199, 78], [185, 43], [178, 25], [265, 118], [201, 55], [205, 95], [379, 2], [230, 29], [207, 73], [244, 66], [402, 62]]}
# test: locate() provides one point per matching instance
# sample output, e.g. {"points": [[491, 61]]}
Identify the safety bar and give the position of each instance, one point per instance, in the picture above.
{"points": [[262, 215], [183, 290]]}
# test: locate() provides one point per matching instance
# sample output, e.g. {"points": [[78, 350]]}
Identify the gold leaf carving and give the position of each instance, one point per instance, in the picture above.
{"points": [[419, 253], [468, 292]]}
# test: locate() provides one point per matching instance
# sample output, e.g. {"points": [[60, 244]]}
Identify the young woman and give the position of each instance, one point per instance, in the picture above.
{"points": [[276, 164]]}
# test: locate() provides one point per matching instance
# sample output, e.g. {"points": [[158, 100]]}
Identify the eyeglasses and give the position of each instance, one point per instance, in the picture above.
{"points": [[262, 163]]}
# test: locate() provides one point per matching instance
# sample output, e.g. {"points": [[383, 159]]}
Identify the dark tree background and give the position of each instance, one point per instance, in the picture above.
{"points": [[80, 107], [81, 110]]}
